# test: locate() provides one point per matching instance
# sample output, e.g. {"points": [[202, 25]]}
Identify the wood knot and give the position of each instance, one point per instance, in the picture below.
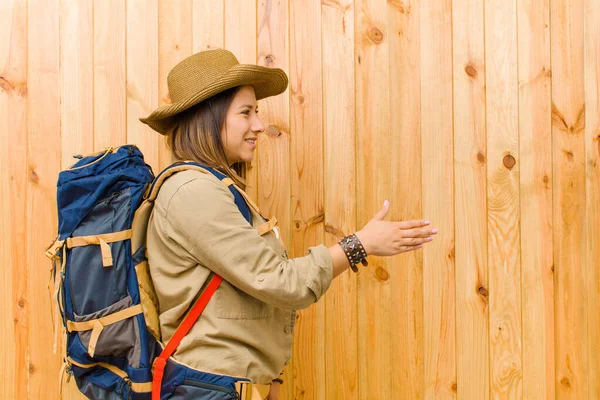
{"points": [[381, 274], [454, 387], [451, 254], [6, 85], [269, 60], [297, 224], [375, 35], [545, 179], [32, 369], [33, 177], [300, 99], [400, 6], [509, 161], [569, 154], [471, 71], [334, 231], [273, 131], [565, 382], [21, 303], [480, 157], [483, 291], [176, 47]]}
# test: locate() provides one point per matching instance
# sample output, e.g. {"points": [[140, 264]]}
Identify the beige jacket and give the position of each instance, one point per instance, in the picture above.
{"points": [[246, 328]]}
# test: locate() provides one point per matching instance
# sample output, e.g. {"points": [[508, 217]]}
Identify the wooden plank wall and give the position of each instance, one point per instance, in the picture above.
{"points": [[480, 115]]}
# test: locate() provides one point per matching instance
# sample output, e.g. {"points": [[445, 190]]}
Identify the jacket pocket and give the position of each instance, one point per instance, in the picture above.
{"points": [[233, 303]]}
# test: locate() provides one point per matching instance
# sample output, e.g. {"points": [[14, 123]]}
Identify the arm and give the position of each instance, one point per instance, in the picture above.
{"points": [[204, 220]]}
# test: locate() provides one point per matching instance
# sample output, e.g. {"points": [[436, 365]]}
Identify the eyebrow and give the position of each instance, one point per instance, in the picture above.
{"points": [[247, 105]]}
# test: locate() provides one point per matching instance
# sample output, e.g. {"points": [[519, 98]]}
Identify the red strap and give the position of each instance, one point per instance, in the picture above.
{"points": [[161, 361]]}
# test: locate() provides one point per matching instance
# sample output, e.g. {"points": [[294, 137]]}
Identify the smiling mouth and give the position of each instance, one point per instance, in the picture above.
{"points": [[251, 141]]}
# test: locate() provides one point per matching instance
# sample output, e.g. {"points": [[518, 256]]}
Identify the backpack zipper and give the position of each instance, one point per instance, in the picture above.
{"points": [[210, 386]]}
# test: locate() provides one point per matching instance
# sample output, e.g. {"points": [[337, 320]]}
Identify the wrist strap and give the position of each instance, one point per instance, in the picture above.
{"points": [[354, 250]]}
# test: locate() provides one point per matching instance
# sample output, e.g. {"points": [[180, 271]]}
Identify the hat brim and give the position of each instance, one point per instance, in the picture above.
{"points": [[266, 82]]}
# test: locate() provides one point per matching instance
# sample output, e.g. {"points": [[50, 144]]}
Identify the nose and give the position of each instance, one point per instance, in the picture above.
{"points": [[257, 126]]}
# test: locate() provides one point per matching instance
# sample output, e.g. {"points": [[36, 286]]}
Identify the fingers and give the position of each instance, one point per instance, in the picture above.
{"points": [[412, 224], [419, 232], [414, 241]]}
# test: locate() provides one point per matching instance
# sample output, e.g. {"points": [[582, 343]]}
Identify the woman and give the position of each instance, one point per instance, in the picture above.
{"points": [[196, 229]]}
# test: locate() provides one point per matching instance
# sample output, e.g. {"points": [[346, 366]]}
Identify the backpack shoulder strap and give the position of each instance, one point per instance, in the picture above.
{"points": [[242, 200]]}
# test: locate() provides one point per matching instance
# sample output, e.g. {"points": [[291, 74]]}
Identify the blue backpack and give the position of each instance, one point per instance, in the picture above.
{"points": [[104, 293]]}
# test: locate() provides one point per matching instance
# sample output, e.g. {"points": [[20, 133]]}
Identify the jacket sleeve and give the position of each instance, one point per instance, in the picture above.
{"points": [[202, 216]]}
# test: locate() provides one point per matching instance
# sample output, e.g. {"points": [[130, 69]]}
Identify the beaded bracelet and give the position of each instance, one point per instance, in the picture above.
{"points": [[278, 380], [354, 250]]}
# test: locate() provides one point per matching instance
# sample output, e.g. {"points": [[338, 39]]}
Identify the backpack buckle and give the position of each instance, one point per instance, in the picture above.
{"points": [[54, 248]]}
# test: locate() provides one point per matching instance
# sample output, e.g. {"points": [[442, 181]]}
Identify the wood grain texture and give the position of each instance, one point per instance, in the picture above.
{"points": [[470, 181], [569, 198], [341, 351], [535, 138], [43, 164], [76, 79], [438, 199], [175, 33], [406, 273], [142, 76], [274, 144], [110, 100], [14, 352], [306, 175], [506, 365], [373, 184], [592, 173], [209, 24]]}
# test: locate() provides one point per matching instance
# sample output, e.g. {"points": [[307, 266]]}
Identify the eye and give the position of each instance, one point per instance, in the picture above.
{"points": [[246, 112]]}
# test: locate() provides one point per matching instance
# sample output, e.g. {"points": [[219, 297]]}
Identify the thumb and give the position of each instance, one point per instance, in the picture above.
{"points": [[383, 212]]}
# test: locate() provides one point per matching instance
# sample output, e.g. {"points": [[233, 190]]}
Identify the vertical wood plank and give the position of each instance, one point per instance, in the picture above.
{"points": [[341, 352], [535, 135], [438, 199], [174, 44], [306, 160], [240, 39], [142, 76], [407, 347], [110, 96], [592, 173], [373, 180], [470, 176], [274, 143], [568, 130], [13, 199], [76, 79], [209, 25], [503, 199], [43, 158]]}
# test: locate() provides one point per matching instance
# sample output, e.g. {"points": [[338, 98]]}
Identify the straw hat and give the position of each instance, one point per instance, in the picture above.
{"points": [[207, 73]]}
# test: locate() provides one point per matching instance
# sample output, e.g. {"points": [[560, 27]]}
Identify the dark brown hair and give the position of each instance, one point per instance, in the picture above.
{"points": [[197, 136]]}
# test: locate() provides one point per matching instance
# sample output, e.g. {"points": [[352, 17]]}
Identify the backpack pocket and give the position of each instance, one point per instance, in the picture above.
{"points": [[193, 389], [112, 331], [107, 223]]}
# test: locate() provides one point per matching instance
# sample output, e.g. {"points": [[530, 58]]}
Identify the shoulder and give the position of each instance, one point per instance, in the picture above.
{"points": [[190, 185]]}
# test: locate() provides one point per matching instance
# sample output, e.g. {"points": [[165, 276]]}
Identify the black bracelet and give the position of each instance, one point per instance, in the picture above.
{"points": [[354, 250], [278, 380]]}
